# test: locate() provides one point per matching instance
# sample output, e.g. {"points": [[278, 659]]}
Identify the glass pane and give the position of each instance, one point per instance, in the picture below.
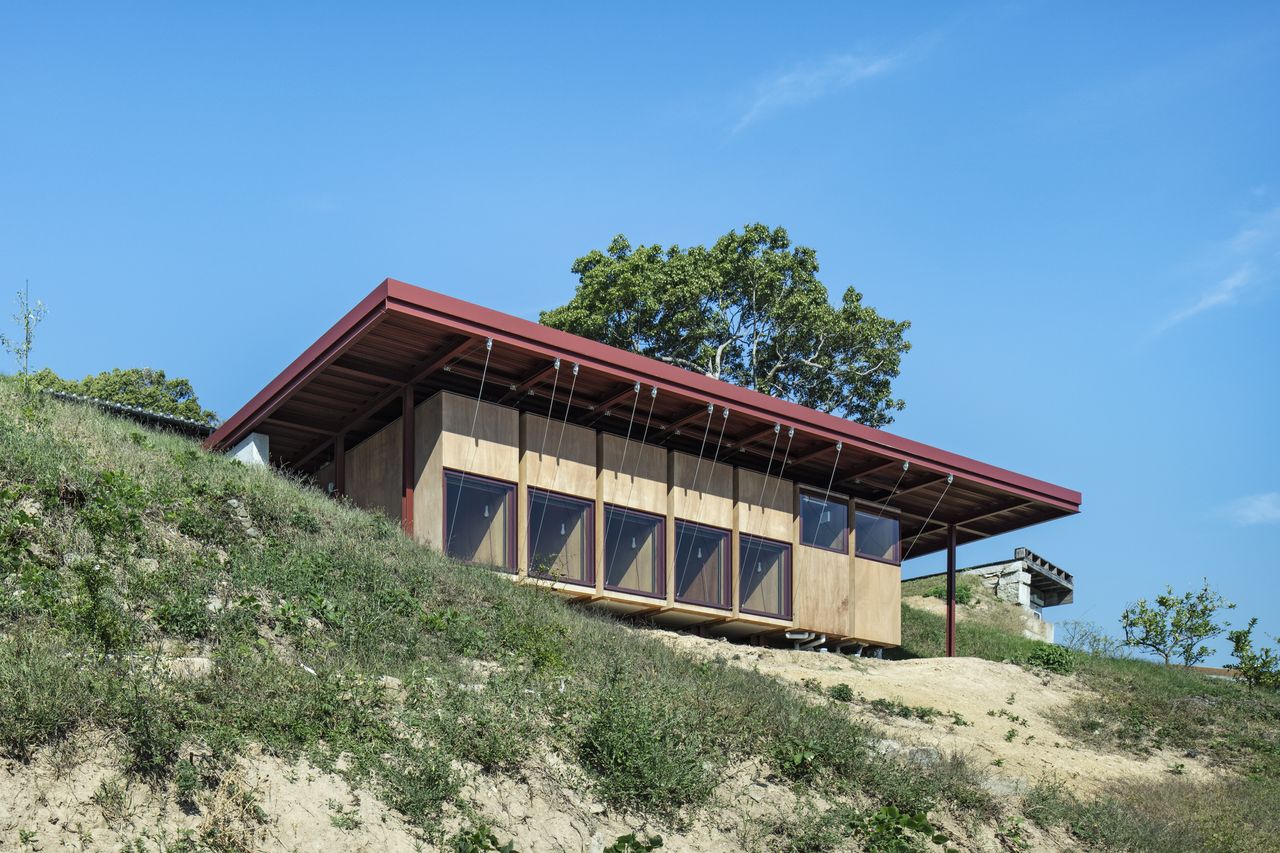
{"points": [[876, 537], [633, 552], [702, 563], [478, 519], [560, 538], [764, 577], [824, 523]]}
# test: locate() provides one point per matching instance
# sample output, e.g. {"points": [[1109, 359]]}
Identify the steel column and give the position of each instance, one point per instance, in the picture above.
{"points": [[407, 433], [951, 590]]}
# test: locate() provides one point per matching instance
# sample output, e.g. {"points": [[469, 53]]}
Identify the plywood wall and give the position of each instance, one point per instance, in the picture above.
{"points": [[642, 483], [373, 471], [573, 471], [710, 499], [771, 516], [483, 440], [876, 614]]}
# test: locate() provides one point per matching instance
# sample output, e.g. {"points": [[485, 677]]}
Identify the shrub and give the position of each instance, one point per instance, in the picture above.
{"points": [[964, 593], [841, 693], [645, 749], [1053, 658], [1257, 668]]}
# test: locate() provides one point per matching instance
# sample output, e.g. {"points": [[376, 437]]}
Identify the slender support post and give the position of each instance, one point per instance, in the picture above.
{"points": [[339, 464], [951, 590], [407, 434]]}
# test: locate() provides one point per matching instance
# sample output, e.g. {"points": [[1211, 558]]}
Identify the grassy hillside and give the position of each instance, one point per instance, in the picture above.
{"points": [[121, 547], [1140, 707], [128, 558]]}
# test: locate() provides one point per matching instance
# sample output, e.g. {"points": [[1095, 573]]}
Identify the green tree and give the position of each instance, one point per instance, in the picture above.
{"points": [[137, 386], [1177, 626], [1257, 667], [749, 310]]}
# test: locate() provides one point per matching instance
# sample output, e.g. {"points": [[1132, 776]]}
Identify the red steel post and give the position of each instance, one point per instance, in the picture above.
{"points": [[951, 590]]}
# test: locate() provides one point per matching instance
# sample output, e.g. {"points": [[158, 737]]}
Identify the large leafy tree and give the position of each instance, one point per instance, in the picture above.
{"points": [[749, 310], [137, 386]]}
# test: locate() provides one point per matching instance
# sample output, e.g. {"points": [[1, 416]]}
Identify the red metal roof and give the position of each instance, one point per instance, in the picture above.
{"points": [[349, 381]]}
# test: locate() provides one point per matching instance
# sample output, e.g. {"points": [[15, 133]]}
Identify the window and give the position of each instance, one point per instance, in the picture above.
{"points": [[824, 523], [876, 537], [561, 538], [633, 551], [479, 518], [702, 565], [764, 577]]}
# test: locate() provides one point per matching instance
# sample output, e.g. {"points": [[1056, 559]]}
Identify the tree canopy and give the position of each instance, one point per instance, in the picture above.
{"points": [[137, 386], [1177, 625], [749, 310]]}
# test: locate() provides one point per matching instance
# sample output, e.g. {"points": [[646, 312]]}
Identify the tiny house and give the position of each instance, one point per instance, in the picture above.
{"points": [[624, 482]]}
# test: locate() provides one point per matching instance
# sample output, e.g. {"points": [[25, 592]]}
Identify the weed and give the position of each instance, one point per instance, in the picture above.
{"points": [[1010, 735], [632, 843], [645, 750], [841, 693]]}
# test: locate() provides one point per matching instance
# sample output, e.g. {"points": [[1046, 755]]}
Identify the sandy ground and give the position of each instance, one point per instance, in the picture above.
{"points": [[994, 699], [55, 803]]}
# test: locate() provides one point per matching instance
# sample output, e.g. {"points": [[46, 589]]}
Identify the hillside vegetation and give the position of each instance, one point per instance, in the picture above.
{"points": [[179, 622]]}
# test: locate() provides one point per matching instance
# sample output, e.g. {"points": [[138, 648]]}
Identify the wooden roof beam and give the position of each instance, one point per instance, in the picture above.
{"points": [[525, 385], [419, 372]]}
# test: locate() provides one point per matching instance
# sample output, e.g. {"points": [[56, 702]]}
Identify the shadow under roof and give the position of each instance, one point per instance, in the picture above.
{"points": [[351, 381]]}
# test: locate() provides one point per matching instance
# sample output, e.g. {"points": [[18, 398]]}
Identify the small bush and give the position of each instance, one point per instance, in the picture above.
{"points": [[841, 693], [964, 593], [1053, 658]]}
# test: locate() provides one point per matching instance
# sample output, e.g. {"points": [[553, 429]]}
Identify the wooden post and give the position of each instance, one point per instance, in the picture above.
{"points": [[339, 464], [407, 435], [951, 590]]}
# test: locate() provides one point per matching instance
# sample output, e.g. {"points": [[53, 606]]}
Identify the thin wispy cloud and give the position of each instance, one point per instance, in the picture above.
{"points": [[810, 81], [1249, 259], [1255, 509]]}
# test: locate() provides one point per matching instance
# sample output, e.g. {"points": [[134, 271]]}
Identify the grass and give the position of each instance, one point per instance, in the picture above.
{"points": [[1142, 707], [330, 633], [118, 542]]}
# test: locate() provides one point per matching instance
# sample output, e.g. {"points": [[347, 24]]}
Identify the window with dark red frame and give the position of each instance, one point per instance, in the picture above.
{"points": [[634, 546], [479, 520], [824, 522], [561, 538], [702, 565], [875, 536], [764, 577]]}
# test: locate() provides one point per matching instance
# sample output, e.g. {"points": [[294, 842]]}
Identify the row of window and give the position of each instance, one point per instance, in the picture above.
{"points": [[479, 526], [824, 524]]}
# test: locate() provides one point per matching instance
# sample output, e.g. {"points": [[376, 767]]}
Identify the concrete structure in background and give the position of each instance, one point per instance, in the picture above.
{"points": [[620, 481], [1031, 582]]}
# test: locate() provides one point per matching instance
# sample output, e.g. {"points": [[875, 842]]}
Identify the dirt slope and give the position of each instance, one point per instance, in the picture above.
{"points": [[992, 699]]}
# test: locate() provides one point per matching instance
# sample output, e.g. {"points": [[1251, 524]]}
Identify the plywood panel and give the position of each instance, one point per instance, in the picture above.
{"points": [[642, 485], [428, 491], [373, 471], [707, 501], [573, 471], [765, 507], [492, 450], [822, 591], [323, 477], [876, 602]]}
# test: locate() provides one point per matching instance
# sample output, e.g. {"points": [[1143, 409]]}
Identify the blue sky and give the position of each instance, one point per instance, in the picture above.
{"points": [[1078, 208]]}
